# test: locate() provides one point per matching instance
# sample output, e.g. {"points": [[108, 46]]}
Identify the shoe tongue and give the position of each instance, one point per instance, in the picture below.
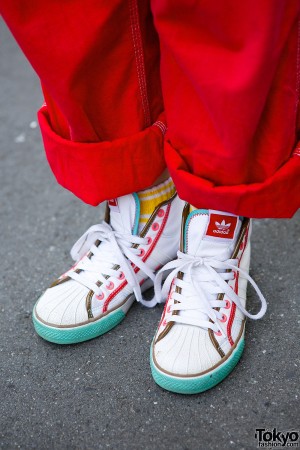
{"points": [[207, 232], [125, 213]]}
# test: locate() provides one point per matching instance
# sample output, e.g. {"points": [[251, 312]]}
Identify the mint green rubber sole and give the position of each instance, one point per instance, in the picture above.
{"points": [[78, 334], [196, 385]]}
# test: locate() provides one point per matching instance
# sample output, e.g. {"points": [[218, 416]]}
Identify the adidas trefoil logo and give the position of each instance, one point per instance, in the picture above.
{"points": [[222, 228]]}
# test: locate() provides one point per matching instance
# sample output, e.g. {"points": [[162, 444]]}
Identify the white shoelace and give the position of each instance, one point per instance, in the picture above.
{"points": [[207, 277], [100, 266]]}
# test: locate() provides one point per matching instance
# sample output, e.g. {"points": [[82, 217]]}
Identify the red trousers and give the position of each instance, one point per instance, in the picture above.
{"points": [[223, 76]]}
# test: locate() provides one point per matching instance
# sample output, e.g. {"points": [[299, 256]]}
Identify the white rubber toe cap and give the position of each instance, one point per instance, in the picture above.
{"points": [[186, 350], [63, 305]]}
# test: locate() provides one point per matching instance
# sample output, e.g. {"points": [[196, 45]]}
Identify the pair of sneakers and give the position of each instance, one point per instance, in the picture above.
{"points": [[200, 337]]}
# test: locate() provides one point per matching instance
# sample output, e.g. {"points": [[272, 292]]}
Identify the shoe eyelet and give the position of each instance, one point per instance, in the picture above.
{"points": [[121, 276], [224, 318], [161, 213], [155, 226], [218, 333], [169, 309], [227, 306], [142, 252], [149, 240], [110, 286], [100, 296], [164, 323]]}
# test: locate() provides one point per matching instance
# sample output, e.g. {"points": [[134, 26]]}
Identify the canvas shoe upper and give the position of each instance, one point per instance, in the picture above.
{"points": [[113, 266], [200, 335]]}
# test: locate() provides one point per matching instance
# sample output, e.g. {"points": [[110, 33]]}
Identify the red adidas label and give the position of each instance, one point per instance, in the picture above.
{"points": [[113, 204], [221, 226]]}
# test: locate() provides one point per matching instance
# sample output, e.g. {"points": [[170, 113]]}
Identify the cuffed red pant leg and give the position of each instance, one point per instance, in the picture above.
{"points": [[103, 121], [230, 77], [230, 73]]}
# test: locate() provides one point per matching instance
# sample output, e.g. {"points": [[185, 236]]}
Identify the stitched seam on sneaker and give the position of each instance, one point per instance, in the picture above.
{"points": [[186, 228], [233, 309]]}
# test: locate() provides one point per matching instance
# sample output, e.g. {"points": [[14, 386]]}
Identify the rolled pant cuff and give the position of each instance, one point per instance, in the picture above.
{"points": [[276, 197], [98, 171]]}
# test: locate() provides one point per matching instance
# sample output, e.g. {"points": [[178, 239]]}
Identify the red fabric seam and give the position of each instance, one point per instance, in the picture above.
{"points": [[139, 59]]}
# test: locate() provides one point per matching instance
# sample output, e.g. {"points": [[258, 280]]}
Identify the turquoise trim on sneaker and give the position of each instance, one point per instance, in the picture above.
{"points": [[78, 334], [196, 385], [189, 217], [135, 230]]}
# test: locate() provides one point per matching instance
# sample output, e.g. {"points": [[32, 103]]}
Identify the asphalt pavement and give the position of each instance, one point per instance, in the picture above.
{"points": [[100, 394]]}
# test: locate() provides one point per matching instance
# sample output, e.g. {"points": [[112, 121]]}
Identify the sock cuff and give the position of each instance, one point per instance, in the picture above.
{"points": [[152, 197], [158, 190]]}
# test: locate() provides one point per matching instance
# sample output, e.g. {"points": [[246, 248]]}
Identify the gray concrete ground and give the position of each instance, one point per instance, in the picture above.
{"points": [[100, 394]]}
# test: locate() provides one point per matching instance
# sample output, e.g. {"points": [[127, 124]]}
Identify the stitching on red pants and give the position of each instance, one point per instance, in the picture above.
{"points": [[139, 59], [298, 71], [161, 126]]}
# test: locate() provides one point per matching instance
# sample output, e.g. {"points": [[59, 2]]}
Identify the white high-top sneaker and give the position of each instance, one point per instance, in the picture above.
{"points": [[201, 334], [114, 265]]}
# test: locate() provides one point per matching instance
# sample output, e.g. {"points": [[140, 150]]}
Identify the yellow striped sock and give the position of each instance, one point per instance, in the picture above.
{"points": [[151, 198]]}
